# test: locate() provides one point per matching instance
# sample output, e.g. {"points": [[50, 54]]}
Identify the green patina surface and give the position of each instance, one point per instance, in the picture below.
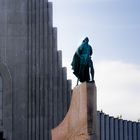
{"points": [[82, 62]]}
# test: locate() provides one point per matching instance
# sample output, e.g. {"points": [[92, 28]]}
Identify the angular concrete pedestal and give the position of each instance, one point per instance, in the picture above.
{"points": [[80, 122]]}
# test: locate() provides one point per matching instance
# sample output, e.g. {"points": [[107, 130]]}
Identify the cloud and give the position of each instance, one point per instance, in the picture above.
{"points": [[118, 88]]}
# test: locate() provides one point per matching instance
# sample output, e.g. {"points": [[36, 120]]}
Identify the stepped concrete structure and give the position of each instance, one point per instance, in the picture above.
{"points": [[34, 90], [81, 121]]}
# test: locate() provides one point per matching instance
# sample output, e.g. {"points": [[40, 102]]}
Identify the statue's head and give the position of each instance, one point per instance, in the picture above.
{"points": [[86, 40]]}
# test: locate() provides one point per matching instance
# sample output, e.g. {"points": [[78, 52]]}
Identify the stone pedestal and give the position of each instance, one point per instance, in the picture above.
{"points": [[80, 123]]}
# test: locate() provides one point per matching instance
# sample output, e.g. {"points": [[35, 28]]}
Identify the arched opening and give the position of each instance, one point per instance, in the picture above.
{"points": [[1, 101], [5, 100]]}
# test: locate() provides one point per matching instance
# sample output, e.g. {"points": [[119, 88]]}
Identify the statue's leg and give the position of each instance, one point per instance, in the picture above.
{"points": [[92, 73], [77, 81], [87, 73]]}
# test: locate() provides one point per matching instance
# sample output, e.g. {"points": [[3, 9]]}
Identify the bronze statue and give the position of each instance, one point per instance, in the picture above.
{"points": [[82, 64]]}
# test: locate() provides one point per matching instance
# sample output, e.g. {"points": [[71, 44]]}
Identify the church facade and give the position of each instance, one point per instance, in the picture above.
{"points": [[34, 90]]}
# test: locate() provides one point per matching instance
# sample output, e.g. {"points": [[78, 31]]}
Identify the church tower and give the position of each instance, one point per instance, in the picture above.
{"points": [[34, 90]]}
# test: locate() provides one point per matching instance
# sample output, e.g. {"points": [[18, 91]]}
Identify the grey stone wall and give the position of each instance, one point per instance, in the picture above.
{"points": [[36, 90], [14, 56]]}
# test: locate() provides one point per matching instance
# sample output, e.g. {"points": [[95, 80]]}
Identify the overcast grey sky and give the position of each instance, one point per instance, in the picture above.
{"points": [[113, 27]]}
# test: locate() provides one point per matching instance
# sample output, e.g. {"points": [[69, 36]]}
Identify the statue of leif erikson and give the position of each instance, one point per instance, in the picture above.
{"points": [[82, 64]]}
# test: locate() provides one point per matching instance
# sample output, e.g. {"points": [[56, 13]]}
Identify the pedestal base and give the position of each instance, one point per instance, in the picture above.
{"points": [[80, 122]]}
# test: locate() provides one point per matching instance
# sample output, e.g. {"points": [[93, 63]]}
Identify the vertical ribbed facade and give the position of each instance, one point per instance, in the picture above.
{"points": [[49, 89], [117, 129]]}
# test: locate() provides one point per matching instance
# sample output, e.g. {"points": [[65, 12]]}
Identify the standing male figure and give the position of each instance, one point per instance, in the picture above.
{"points": [[82, 64]]}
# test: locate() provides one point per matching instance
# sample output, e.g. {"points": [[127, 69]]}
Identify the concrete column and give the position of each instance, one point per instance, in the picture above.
{"points": [[120, 129], [37, 73], [111, 122], [33, 70], [69, 92], [59, 90], [42, 74], [64, 90], [134, 131], [29, 130], [106, 127], [50, 86], [55, 76], [138, 130], [46, 98], [125, 130], [116, 129], [102, 127], [98, 121], [130, 130]]}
